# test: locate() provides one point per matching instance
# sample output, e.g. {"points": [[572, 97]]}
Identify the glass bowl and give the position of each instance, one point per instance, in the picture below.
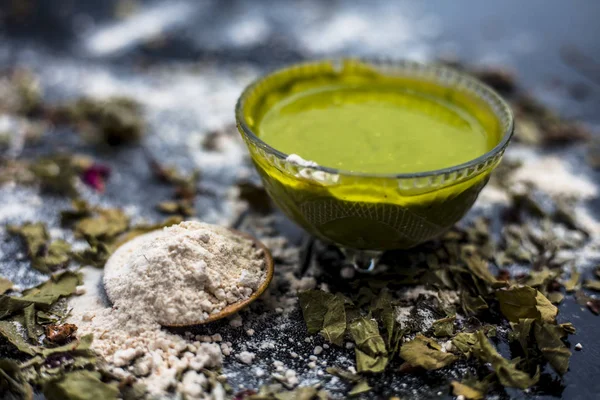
{"points": [[365, 214]]}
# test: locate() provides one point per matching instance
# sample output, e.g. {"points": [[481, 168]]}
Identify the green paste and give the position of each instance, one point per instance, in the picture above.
{"points": [[374, 128], [352, 117]]}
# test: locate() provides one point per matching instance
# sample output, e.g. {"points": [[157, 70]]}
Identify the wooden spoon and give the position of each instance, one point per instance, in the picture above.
{"points": [[118, 259]]}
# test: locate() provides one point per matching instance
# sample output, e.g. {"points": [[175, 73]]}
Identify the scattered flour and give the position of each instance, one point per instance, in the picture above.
{"points": [[183, 272], [552, 175], [296, 159]]}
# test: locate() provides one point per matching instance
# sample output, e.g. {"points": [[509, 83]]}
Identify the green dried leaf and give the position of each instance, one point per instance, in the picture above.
{"points": [[5, 285], [301, 393], [44, 257], [334, 321], [56, 256], [9, 331], [344, 374], [573, 283], [80, 385], [506, 370], [96, 255], [61, 285], [444, 327], [472, 305], [256, 196], [182, 207], [479, 267], [592, 285], [12, 381], [80, 210], [33, 329], [368, 363], [465, 343], [426, 353], [383, 309], [548, 338], [555, 297], [114, 121], [81, 346], [467, 392], [525, 302], [568, 329], [106, 226], [540, 278], [35, 236], [58, 174], [365, 334], [522, 331], [314, 307], [360, 388]]}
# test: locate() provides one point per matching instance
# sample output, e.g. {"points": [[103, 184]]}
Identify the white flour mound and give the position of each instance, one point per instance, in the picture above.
{"points": [[178, 275], [184, 273]]}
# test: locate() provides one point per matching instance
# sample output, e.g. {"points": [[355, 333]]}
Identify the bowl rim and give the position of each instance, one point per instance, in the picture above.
{"points": [[439, 72]]}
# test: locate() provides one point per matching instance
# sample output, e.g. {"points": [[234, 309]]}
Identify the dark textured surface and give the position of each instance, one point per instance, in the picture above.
{"points": [[529, 36]]}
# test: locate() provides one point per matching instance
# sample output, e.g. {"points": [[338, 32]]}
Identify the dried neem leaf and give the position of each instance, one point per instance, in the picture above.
{"points": [[506, 370], [334, 321], [113, 121], [96, 255], [472, 305], [60, 334], [5, 285], [383, 308], [368, 363], [45, 257], [181, 207], [33, 329], [555, 297], [59, 174], [61, 285], [467, 392], [185, 185], [35, 236], [301, 393], [525, 302], [522, 332], [539, 278], [360, 388], [43, 296], [105, 226], [9, 331], [371, 353], [426, 353], [592, 285], [314, 307], [80, 385], [573, 283], [344, 374], [465, 343], [80, 210], [13, 382], [548, 338], [256, 196], [57, 255], [444, 327], [81, 346]]}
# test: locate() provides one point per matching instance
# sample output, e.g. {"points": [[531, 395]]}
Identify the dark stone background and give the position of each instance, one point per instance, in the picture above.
{"points": [[533, 37]]}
